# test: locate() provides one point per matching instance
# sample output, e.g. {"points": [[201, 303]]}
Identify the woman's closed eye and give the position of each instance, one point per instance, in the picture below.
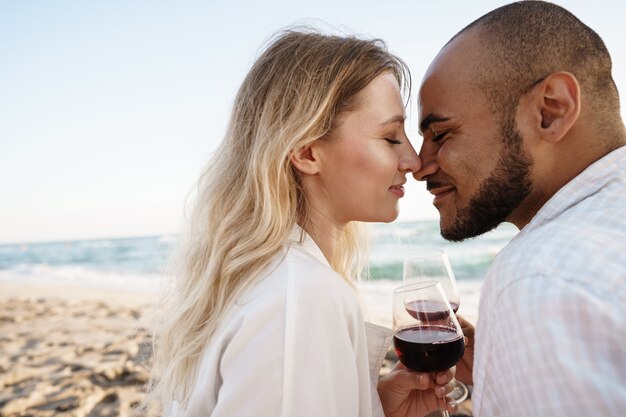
{"points": [[393, 141]]}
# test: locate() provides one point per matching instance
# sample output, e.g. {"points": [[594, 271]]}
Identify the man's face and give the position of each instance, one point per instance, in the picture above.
{"points": [[473, 159]]}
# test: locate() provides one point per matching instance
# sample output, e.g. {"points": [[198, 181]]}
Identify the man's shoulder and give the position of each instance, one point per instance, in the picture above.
{"points": [[584, 249], [556, 244], [592, 227]]}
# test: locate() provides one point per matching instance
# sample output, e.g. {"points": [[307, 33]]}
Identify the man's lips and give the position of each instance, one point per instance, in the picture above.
{"points": [[439, 190]]}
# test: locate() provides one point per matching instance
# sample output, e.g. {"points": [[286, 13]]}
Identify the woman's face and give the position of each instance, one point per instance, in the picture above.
{"points": [[364, 161]]}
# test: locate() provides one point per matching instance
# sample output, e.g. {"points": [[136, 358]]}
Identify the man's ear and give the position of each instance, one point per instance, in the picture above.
{"points": [[305, 160], [555, 102]]}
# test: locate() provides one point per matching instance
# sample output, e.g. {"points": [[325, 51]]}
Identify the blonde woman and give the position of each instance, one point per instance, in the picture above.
{"points": [[263, 319]]}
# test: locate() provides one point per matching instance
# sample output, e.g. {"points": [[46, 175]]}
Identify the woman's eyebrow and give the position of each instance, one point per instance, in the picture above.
{"points": [[394, 119]]}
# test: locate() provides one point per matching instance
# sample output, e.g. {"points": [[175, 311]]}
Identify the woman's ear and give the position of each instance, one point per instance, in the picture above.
{"points": [[555, 102], [304, 159]]}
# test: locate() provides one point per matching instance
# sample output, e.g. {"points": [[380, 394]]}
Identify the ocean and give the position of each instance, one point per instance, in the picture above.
{"points": [[137, 264]]}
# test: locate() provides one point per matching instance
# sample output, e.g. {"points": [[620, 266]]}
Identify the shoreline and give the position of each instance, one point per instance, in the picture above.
{"points": [[68, 292]]}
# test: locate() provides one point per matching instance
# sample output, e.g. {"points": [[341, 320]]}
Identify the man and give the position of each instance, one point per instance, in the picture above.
{"points": [[521, 123]]}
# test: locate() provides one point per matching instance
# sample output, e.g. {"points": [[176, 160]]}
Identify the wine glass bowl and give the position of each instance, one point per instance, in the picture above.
{"points": [[427, 336], [429, 265], [432, 265]]}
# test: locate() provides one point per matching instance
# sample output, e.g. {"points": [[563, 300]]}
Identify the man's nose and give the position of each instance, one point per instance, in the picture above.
{"points": [[428, 156]]}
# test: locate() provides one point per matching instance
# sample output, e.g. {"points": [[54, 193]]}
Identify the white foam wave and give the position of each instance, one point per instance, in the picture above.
{"points": [[79, 276], [376, 294], [377, 297]]}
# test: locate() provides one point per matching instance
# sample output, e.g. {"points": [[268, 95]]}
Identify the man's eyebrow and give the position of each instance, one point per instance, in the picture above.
{"points": [[394, 119], [430, 119]]}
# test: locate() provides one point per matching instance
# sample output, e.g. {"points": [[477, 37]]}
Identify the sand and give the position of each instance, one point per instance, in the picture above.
{"points": [[84, 352], [71, 352]]}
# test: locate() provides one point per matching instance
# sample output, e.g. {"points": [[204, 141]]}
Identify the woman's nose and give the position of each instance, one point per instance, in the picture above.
{"points": [[409, 160]]}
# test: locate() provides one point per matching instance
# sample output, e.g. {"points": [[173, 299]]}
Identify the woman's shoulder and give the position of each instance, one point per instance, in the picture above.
{"points": [[296, 287], [297, 272], [306, 267], [311, 279]]}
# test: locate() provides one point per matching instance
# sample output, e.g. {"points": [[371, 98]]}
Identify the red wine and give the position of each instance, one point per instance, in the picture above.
{"points": [[428, 348], [455, 306], [426, 310]]}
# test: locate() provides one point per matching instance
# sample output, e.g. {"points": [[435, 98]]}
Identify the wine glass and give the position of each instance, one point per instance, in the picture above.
{"points": [[433, 265], [427, 336]]}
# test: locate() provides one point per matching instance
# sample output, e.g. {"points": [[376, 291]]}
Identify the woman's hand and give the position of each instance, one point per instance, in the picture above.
{"points": [[404, 393]]}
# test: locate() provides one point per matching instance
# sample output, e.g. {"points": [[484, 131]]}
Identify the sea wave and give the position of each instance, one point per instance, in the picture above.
{"points": [[80, 276], [140, 261]]}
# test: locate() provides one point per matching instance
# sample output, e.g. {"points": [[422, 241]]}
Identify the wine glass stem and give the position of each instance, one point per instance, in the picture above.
{"points": [[444, 407]]}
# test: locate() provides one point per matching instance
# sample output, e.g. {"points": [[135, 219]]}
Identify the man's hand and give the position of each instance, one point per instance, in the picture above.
{"points": [[465, 366], [404, 393]]}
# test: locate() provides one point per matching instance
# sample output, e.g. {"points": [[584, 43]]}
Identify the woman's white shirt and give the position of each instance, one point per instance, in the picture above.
{"points": [[294, 345]]}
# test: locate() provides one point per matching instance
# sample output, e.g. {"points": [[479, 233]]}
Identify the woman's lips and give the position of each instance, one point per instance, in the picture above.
{"points": [[397, 190]]}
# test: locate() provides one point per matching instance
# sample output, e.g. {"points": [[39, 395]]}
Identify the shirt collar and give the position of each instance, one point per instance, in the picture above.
{"points": [[305, 241], [594, 178]]}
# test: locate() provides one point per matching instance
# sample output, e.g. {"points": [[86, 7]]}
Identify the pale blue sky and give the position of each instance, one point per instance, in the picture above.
{"points": [[108, 110]]}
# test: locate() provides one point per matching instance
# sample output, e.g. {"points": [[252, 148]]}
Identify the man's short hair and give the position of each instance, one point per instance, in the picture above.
{"points": [[526, 41]]}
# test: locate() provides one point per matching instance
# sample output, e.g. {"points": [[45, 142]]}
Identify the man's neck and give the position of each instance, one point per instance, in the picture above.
{"points": [[529, 208]]}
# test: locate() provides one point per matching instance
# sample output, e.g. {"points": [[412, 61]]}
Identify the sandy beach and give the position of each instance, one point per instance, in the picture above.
{"points": [[72, 352], [79, 352]]}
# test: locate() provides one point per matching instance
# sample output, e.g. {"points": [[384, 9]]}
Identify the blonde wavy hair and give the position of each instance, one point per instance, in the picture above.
{"points": [[249, 197]]}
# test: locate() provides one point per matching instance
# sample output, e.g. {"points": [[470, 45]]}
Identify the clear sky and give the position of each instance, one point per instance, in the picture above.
{"points": [[109, 110]]}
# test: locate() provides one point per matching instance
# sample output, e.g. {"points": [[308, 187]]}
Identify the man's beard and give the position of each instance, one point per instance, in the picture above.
{"points": [[499, 194]]}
